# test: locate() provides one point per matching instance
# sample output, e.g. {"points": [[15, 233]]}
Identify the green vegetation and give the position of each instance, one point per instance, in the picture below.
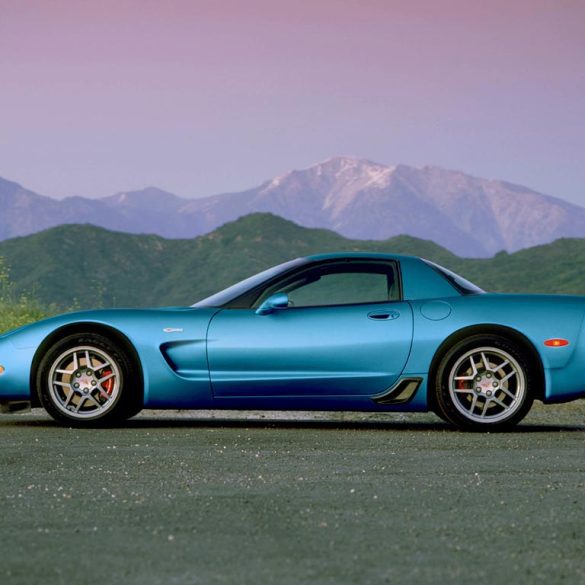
{"points": [[15, 310], [86, 266], [91, 267]]}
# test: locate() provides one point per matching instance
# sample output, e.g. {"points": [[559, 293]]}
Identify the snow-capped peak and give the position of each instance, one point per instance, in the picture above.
{"points": [[345, 169]]}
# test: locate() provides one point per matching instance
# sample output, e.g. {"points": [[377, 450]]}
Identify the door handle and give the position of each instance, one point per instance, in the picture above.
{"points": [[383, 315]]}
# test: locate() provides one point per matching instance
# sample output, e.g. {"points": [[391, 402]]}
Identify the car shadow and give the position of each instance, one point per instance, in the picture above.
{"points": [[194, 422], [438, 426]]}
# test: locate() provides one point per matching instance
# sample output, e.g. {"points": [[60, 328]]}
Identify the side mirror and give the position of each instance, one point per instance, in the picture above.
{"points": [[276, 301]]}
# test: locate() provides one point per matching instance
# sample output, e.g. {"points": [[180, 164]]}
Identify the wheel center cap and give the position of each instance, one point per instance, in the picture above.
{"points": [[85, 380], [487, 384]]}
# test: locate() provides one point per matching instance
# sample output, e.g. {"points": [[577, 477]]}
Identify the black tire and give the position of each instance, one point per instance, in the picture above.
{"points": [[438, 412], [497, 396], [107, 392]]}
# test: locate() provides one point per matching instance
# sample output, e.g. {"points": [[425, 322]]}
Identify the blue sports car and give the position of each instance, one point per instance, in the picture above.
{"points": [[346, 331]]}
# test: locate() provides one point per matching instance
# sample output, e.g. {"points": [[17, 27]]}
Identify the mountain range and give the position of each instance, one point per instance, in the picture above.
{"points": [[86, 266], [356, 198]]}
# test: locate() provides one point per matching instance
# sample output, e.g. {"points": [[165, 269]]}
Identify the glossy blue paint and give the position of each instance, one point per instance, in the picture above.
{"points": [[326, 358], [183, 383], [272, 303], [420, 282], [435, 310], [314, 351]]}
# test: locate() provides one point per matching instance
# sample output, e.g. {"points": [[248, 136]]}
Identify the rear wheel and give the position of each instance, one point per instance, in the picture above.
{"points": [[484, 383], [88, 380]]}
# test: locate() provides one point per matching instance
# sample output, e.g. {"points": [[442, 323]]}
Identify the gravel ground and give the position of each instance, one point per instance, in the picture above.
{"points": [[261, 498]]}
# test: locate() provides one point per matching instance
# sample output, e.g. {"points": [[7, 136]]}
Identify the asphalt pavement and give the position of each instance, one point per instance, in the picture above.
{"points": [[262, 498]]}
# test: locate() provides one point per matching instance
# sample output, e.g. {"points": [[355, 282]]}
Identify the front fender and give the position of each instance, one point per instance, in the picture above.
{"points": [[149, 331]]}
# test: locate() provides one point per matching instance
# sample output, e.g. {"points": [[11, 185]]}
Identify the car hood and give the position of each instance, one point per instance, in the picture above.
{"points": [[29, 334]]}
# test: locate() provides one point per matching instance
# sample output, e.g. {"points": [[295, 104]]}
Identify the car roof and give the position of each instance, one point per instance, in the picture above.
{"points": [[364, 255]]}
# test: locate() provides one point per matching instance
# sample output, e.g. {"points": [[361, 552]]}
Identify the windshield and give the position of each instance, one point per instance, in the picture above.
{"points": [[233, 292], [461, 284]]}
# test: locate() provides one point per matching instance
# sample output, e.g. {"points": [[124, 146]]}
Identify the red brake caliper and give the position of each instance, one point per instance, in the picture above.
{"points": [[108, 385]]}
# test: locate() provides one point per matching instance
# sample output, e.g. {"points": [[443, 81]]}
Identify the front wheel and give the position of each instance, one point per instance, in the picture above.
{"points": [[483, 383], [88, 380]]}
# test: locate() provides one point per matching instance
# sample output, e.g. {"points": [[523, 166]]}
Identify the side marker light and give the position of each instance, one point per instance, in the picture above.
{"points": [[556, 342]]}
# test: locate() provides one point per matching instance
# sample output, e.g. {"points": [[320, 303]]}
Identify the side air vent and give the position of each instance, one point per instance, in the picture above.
{"points": [[400, 393]]}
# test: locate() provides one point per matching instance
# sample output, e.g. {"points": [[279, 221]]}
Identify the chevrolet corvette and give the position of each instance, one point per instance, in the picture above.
{"points": [[345, 331]]}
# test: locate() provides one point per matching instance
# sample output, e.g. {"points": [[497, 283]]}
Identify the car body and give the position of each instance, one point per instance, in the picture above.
{"points": [[344, 331]]}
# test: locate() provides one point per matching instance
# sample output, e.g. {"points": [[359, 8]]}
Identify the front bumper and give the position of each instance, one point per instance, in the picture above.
{"points": [[14, 406], [15, 379]]}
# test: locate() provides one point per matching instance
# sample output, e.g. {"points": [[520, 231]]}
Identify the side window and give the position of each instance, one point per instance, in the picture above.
{"points": [[342, 288], [344, 283]]}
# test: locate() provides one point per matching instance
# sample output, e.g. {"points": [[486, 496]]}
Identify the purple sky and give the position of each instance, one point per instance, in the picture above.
{"points": [[200, 97]]}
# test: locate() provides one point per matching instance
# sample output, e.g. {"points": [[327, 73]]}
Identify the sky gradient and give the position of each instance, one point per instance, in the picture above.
{"points": [[200, 97]]}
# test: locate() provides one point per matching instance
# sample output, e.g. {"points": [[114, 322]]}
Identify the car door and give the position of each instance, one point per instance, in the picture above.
{"points": [[346, 332]]}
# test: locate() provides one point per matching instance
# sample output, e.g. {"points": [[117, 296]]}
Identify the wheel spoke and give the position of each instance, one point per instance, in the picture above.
{"points": [[463, 390], [508, 376], [69, 397], [95, 400], [487, 385], [104, 394], [473, 366], [101, 366], [105, 378], [507, 392], [96, 392], [501, 366], [82, 399], [499, 402], [64, 384]]}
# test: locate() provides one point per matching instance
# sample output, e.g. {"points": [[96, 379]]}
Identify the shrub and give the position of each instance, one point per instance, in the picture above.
{"points": [[16, 309]]}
